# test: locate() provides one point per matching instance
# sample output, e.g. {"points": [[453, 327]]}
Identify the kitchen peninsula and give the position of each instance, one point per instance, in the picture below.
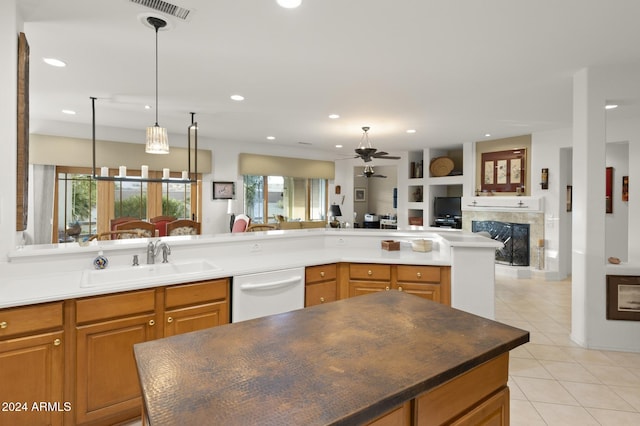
{"points": [[43, 273], [80, 324], [412, 362]]}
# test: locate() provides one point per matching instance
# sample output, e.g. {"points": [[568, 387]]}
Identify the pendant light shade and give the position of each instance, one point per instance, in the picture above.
{"points": [[157, 139]]}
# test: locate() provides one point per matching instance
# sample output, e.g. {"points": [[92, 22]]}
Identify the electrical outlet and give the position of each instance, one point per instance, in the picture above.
{"points": [[255, 248]]}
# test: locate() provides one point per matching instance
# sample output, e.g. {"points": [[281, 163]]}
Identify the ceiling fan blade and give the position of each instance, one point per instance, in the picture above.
{"points": [[388, 157]]}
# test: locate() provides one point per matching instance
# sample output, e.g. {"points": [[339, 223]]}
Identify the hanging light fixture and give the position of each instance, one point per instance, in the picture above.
{"points": [[157, 140]]}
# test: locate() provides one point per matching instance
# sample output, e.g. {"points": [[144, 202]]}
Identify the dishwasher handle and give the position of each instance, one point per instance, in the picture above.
{"points": [[271, 285]]}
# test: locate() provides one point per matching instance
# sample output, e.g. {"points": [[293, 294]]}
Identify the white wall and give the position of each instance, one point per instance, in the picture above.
{"points": [[617, 223], [545, 150], [10, 26]]}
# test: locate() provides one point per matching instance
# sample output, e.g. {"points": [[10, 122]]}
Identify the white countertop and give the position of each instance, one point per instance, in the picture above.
{"points": [[36, 274]]}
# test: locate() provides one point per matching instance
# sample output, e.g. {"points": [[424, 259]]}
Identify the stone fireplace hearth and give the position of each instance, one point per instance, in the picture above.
{"points": [[520, 210]]}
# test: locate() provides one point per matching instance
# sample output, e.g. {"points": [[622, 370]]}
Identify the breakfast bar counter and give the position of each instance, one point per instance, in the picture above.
{"points": [[376, 358]]}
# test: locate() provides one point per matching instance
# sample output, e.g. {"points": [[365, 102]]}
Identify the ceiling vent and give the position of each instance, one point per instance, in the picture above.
{"points": [[164, 7]]}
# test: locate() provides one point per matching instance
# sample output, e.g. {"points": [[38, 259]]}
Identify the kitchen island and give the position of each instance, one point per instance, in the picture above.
{"points": [[383, 357]]}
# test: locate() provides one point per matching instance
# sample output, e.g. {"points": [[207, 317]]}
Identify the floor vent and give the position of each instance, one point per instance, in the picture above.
{"points": [[164, 7]]}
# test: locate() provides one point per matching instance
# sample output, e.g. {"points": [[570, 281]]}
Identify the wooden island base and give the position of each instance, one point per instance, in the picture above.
{"points": [[387, 358]]}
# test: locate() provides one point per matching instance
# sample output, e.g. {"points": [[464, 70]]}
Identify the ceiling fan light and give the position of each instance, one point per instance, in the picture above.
{"points": [[157, 140]]}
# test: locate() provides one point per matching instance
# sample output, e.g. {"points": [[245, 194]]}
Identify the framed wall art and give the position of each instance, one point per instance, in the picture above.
{"points": [[503, 171], [609, 190], [623, 297], [22, 169], [569, 198], [224, 190], [360, 195], [625, 188]]}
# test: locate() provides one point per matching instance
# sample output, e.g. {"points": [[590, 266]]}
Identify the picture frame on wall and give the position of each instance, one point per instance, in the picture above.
{"points": [[569, 198], [625, 188], [360, 195], [224, 190], [609, 190], [503, 171], [623, 294]]}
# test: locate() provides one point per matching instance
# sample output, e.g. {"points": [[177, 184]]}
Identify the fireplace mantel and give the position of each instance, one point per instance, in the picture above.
{"points": [[498, 203]]}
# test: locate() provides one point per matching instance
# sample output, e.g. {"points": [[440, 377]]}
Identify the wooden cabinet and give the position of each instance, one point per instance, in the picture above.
{"points": [[107, 327], [480, 396], [196, 306], [107, 388], [321, 285], [32, 365], [365, 278], [430, 282]]}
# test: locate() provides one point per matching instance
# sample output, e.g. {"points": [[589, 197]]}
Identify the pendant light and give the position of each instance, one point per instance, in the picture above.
{"points": [[157, 140]]}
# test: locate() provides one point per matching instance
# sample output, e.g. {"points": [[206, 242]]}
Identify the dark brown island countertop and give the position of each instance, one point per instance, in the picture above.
{"points": [[345, 362]]}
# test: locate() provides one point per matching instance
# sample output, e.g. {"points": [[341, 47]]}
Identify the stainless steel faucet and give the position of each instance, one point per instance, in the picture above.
{"points": [[154, 248]]}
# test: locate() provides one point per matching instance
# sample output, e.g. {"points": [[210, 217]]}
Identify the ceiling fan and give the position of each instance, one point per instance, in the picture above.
{"points": [[369, 173], [367, 153]]}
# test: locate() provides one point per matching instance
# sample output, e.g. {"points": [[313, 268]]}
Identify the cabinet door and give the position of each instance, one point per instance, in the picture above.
{"points": [[32, 371], [106, 373], [193, 318], [359, 288], [493, 411], [427, 291], [401, 416], [323, 292]]}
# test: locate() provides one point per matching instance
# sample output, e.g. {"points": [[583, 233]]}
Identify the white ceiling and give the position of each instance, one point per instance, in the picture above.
{"points": [[452, 70]]}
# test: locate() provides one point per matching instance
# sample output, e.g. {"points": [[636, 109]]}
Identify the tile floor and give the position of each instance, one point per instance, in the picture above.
{"points": [[553, 381]]}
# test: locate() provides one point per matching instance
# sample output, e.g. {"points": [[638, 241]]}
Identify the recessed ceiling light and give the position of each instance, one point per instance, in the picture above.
{"points": [[147, 107], [411, 131], [338, 146], [237, 97], [333, 116], [486, 135], [54, 62], [271, 138], [611, 106], [289, 4], [68, 111]]}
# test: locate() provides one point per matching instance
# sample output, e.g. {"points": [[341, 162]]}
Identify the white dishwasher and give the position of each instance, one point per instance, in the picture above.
{"points": [[266, 293]]}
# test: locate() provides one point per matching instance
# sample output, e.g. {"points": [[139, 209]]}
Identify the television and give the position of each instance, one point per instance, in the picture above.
{"points": [[447, 207]]}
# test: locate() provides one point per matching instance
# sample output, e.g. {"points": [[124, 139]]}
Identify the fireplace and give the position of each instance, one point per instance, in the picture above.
{"points": [[514, 236]]}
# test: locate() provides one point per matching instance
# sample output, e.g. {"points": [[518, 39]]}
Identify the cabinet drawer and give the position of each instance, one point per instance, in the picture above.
{"points": [[196, 293], [113, 306], [369, 271], [419, 274], [30, 318], [314, 274], [316, 294]]}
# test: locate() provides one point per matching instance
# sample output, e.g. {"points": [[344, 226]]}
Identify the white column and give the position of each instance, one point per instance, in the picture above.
{"points": [[588, 267]]}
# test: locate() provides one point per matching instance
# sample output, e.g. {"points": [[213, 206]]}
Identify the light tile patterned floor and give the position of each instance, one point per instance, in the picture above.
{"points": [[553, 381]]}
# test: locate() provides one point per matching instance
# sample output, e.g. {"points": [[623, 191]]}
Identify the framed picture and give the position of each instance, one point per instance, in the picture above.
{"points": [[360, 194], [22, 170], [625, 188], [623, 297], [503, 171], [224, 190], [609, 190], [569, 198]]}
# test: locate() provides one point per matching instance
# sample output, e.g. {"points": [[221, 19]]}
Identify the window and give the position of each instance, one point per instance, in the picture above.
{"points": [[295, 199], [76, 206], [80, 211]]}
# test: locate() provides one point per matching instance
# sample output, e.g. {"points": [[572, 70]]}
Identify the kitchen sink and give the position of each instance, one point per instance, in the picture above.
{"points": [[158, 273]]}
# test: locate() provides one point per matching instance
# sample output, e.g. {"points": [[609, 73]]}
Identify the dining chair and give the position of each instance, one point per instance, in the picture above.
{"points": [[148, 229], [183, 227], [161, 222], [241, 223]]}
